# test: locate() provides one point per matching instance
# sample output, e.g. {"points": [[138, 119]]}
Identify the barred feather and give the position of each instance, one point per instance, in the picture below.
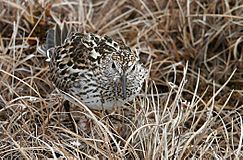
{"points": [[55, 37]]}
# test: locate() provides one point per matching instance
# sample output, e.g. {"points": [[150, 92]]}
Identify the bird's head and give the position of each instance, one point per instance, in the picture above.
{"points": [[124, 70]]}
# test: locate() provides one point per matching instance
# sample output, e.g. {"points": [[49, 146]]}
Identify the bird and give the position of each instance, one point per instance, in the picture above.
{"points": [[101, 72]]}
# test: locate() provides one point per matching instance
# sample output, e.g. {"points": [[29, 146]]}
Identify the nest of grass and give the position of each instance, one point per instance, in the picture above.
{"points": [[191, 106]]}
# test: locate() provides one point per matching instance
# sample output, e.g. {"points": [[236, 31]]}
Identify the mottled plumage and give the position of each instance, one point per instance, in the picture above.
{"points": [[99, 71]]}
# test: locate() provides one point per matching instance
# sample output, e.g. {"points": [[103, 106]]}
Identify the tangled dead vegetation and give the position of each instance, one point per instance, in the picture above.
{"points": [[191, 106]]}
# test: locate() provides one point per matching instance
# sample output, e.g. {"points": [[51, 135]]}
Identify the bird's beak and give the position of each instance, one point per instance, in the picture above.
{"points": [[124, 86]]}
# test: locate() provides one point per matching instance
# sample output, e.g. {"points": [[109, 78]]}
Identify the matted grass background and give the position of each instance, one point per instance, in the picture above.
{"points": [[191, 106]]}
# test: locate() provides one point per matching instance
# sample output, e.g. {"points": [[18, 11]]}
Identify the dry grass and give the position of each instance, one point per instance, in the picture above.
{"points": [[192, 103]]}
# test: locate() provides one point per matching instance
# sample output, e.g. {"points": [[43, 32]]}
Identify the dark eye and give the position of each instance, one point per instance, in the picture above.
{"points": [[113, 65]]}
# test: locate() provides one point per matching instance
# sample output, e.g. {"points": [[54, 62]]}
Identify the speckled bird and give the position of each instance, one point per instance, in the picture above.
{"points": [[99, 71]]}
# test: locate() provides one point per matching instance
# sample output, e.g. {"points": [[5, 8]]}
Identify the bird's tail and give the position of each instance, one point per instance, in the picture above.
{"points": [[55, 37]]}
